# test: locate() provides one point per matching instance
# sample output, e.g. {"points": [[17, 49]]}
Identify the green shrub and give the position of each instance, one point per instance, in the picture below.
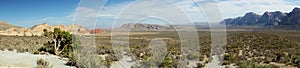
{"points": [[43, 64], [251, 64], [298, 61]]}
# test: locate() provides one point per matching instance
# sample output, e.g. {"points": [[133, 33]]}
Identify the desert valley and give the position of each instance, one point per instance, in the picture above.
{"points": [[253, 40]]}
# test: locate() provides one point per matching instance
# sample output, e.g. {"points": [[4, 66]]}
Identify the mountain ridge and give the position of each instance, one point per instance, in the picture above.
{"points": [[4, 25], [277, 19], [37, 30]]}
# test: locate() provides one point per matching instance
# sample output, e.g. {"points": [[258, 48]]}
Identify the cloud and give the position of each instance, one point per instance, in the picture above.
{"points": [[172, 9], [45, 19], [233, 8], [165, 9], [55, 20]]}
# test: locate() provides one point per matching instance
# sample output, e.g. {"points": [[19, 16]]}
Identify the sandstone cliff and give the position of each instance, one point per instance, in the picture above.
{"points": [[37, 30]]}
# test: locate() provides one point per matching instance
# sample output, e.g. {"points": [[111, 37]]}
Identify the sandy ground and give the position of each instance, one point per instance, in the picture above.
{"points": [[215, 63], [9, 59], [125, 62]]}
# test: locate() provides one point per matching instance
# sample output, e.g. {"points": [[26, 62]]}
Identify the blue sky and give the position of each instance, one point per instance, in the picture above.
{"points": [[27, 13]]}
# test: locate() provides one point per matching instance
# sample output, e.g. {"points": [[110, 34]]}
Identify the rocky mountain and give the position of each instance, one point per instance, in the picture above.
{"points": [[275, 19], [248, 19], [292, 18], [71, 28], [144, 27], [4, 26], [271, 18], [157, 27], [37, 30]]}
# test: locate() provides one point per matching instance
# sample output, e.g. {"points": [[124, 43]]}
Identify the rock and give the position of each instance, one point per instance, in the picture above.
{"points": [[271, 18], [275, 19], [96, 31], [292, 18], [5, 26], [143, 27], [37, 30], [248, 19]]}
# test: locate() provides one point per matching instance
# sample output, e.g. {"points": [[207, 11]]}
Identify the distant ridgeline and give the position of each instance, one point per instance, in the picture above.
{"points": [[275, 19], [37, 30]]}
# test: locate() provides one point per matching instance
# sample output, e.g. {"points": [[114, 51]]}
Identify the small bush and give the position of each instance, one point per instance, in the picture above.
{"points": [[43, 64]]}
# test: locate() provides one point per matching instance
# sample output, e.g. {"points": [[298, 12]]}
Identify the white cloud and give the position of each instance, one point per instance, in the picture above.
{"points": [[235, 8], [142, 8], [155, 8]]}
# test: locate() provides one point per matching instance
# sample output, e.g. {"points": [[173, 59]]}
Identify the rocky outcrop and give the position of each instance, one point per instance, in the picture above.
{"points": [[96, 31], [5, 26], [37, 30]]}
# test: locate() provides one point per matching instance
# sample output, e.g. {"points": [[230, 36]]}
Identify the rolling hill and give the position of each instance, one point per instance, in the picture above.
{"points": [[5, 25]]}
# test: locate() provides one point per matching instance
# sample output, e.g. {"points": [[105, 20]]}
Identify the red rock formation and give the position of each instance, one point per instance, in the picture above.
{"points": [[96, 31]]}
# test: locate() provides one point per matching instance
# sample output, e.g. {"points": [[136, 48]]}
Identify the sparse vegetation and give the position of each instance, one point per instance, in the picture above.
{"points": [[61, 44], [43, 64], [257, 48]]}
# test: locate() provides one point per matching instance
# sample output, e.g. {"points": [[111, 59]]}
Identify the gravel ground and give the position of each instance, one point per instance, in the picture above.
{"points": [[26, 60]]}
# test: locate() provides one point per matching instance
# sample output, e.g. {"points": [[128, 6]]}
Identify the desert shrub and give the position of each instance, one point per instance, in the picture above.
{"points": [[43, 64], [1, 49], [104, 49], [111, 58], [192, 56], [201, 58], [166, 61], [251, 64], [22, 50], [267, 60], [88, 60], [226, 63], [298, 62], [10, 49], [199, 65]]}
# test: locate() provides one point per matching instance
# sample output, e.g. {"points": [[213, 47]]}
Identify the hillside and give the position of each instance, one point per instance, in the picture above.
{"points": [[4, 25], [37, 30]]}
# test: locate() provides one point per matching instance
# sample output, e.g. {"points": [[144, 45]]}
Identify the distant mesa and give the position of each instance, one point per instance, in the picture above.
{"points": [[275, 19]]}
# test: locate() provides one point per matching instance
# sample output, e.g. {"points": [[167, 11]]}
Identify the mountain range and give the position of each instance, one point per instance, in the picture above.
{"points": [[157, 27], [275, 19], [5, 25], [37, 30]]}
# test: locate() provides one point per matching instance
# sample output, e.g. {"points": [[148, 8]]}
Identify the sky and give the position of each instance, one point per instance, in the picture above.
{"points": [[108, 13]]}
